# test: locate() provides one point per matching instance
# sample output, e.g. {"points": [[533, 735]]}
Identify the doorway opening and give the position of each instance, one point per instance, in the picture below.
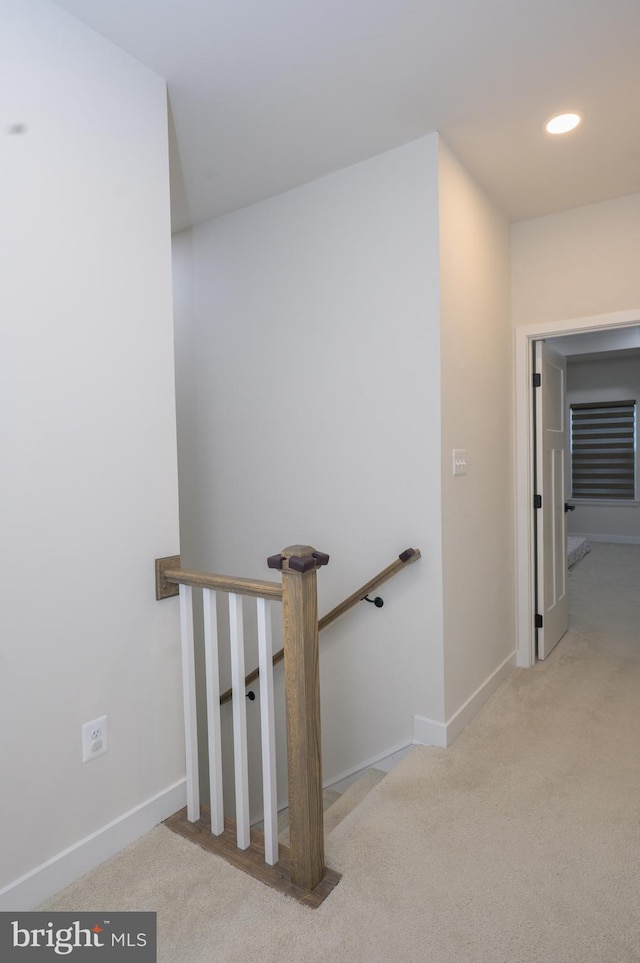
{"points": [[525, 461]]}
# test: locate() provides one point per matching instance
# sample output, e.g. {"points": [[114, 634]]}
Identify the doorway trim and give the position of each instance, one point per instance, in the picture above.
{"points": [[524, 439]]}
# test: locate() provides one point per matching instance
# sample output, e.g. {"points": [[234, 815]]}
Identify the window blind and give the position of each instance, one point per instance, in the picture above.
{"points": [[603, 450]]}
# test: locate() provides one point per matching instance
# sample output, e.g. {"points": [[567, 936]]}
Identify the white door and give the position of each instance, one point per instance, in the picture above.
{"points": [[551, 444]]}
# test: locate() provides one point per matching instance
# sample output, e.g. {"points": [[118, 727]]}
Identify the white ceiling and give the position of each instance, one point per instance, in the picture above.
{"points": [[614, 343], [269, 94]]}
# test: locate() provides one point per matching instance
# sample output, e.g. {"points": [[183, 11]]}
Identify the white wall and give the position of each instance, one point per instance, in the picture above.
{"points": [[577, 263], [606, 380], [317, 392], [476, 374], [89, 481], [568, 266]]}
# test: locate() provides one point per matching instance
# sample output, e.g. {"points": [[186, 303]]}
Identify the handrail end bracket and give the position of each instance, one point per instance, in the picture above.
{"points": [[412, 554], [165, 589]]}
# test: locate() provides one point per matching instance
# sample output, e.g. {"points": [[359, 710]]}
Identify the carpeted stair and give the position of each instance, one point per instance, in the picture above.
{"points": [[337, 805]]}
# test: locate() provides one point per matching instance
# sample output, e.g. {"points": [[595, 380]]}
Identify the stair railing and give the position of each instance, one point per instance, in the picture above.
{"points": [[301, 867], [360, 595], [298, 870]]}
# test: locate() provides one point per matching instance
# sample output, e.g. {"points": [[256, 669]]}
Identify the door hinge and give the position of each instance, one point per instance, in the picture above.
{"points": [[537, 380], [539, 621], [537, 501]]}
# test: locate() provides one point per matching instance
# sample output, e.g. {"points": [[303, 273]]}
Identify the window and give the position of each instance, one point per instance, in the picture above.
{"points": [[603, 450]]}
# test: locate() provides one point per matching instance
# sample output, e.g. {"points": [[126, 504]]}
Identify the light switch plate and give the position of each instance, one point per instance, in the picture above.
{"points": [[459, 461]]}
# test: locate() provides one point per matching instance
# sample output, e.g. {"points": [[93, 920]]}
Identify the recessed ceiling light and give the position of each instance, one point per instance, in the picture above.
{"points": [[562, 124]]}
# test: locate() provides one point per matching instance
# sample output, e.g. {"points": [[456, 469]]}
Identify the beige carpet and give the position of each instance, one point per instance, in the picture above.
{"points": [[519, 844]]}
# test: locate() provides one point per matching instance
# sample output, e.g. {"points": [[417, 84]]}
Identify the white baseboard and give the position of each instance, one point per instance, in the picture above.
{"points": [[428, 732], [475, 702], [49, 878], [616, 539]]}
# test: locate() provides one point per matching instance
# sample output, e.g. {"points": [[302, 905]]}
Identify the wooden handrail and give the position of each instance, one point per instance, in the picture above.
{"points": [[405, 558], [224, 583]]}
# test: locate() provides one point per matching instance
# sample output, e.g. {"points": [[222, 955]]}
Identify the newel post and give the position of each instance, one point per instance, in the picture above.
{"points": [[298, 564]]}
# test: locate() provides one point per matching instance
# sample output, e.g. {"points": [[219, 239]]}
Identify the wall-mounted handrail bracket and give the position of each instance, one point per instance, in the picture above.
{"points": [[165, 589], [377, 601]]}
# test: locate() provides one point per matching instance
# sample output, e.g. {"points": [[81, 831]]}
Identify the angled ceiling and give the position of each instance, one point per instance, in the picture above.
{"points": [[267, 96]]}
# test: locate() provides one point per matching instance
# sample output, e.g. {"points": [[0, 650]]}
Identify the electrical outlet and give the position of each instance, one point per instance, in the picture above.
{"points": [[95, 741]]}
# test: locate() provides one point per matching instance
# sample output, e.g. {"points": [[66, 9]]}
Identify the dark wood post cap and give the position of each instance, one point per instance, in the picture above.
{"points": [[298, 558]]}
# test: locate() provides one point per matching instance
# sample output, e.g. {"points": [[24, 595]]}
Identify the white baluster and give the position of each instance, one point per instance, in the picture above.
{"points": [[212, 676], [267, 723], [241, 767], [189, 700]]}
